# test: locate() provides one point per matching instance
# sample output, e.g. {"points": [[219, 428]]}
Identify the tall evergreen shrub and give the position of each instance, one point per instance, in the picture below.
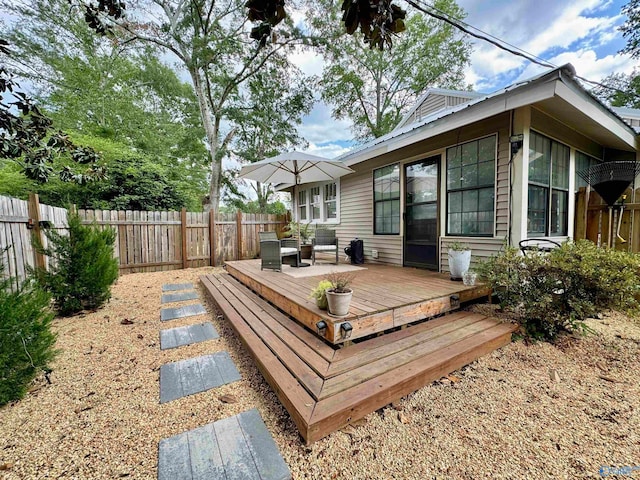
{"points": [[26, 340], [82, 269]]}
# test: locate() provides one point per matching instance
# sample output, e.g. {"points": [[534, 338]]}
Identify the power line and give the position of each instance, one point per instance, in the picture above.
{"points": [[498, 42]]}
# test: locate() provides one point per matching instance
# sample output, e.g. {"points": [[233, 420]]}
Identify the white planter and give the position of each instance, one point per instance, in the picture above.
{"points": [[339, 303], [459, 261]]}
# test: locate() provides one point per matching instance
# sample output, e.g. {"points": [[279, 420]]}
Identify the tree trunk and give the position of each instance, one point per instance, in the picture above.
{"points": [[211, 130]]}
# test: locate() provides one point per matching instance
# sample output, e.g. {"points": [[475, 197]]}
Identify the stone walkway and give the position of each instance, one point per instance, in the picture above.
{"points": [[239, 447]]}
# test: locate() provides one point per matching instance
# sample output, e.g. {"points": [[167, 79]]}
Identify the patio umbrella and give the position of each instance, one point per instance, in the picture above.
{"points": [[294, 168]]}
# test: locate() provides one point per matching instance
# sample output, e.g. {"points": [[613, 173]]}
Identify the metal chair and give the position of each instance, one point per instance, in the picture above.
{"points": [[543, 245], [272, 250], [325, 241]]}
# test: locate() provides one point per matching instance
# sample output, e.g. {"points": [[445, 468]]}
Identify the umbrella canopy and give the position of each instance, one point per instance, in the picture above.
{"points": [[294, 168]]}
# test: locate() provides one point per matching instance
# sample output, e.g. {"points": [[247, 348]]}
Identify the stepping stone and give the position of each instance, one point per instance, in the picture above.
{"points": [[177, 337], [238, 447], [196, 375], [181, 312], [179, 297], [169, 287]]}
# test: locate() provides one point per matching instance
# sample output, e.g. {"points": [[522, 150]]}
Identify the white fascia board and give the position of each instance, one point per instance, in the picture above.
{"points": [[490, 107], [597, 113]]}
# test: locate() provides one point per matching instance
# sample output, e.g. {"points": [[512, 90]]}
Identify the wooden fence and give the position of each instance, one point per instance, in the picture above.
{"points": [[145, 241], [20, 221], [153, 241], [593, 223]]}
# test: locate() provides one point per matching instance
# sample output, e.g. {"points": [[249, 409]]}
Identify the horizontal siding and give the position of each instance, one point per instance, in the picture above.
{"points": [[356, 196], [356, 216], [431, 104], [453, 101], [481, 249]]}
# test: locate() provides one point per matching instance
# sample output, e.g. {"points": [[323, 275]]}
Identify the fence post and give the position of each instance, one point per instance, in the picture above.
{"points": [[212, 238], [36, 232], [183, 234], [239, 233]]}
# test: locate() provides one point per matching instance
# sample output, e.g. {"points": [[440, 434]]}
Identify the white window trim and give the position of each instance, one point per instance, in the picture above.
{"points": [[307, 187]]}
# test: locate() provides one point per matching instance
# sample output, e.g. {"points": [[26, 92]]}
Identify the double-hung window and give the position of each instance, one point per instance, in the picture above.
{"points": [[547, 213], [583, 162], [471, 176], [318, 203], [386, 200]]}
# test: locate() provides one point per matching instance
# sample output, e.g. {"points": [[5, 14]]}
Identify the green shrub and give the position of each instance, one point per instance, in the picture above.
{"points": [[26, 341], [558, 291], [82, 269]]}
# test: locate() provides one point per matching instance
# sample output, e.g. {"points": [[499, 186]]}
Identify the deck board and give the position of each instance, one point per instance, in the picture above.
{"points": [[324, 388], [384, 296]]}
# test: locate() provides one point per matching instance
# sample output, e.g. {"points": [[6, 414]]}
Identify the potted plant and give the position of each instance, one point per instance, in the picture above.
{"points": [[320, 294], [459, 260], [339, 295], [303, 232]]}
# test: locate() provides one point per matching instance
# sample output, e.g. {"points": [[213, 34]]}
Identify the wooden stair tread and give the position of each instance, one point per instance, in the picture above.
{"points": [[324, 389]]}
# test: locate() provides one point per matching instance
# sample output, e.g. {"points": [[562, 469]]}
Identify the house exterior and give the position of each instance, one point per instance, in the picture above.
{"points": [[483, 170]]}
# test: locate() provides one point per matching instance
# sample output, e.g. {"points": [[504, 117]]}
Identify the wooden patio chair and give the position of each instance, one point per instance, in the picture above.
{"points": [[325, 241], [272, 250]]}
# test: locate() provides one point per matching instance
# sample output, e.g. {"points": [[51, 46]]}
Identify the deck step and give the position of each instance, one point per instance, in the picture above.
{"points": [[238, 447], [324, 388]]}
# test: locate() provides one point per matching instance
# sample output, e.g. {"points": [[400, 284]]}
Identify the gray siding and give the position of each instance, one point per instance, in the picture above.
{"points": [[356, 216], [481, 249], [431, 104], [453, 101], [356, 197]]}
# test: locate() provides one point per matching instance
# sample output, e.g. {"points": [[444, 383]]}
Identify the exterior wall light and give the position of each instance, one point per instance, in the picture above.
{"points": [[516, 142], [345, 330]]}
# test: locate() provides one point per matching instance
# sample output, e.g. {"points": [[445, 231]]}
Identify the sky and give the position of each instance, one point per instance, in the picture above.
{"points": [[581, 32]]}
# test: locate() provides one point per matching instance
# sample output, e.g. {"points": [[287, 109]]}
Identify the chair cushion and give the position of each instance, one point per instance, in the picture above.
{"points": [[325, 248], [288, 251]]}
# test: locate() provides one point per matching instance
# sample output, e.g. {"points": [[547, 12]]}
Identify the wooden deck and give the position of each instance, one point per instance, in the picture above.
{"points": [[323, 386], [385, 297]]}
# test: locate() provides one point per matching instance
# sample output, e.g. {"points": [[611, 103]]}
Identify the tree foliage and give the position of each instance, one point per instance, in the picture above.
{"points": [[123, 101], [631, 28], [82, 269], [620, 90], [26, 340], [28, 138], [374, 88]]}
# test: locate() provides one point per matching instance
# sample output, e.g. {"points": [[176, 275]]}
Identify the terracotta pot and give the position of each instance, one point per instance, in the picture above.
{"points": [[339, 303]]}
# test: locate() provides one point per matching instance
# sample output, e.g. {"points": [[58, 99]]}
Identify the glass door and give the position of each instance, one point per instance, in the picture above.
{"points": [[421, 213]]}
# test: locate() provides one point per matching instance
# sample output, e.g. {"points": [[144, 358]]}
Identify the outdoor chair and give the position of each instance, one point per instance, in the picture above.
{"points": [[325, 241], [541, 245], [272, 250]]}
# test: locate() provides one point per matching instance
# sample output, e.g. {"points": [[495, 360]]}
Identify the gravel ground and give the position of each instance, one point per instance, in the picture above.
{"points": [[526, 411]]}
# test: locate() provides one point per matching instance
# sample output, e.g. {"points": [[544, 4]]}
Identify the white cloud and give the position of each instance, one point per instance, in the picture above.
{"points": [[331, 150]]}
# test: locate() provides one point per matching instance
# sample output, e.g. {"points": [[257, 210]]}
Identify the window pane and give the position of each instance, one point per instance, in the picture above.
{"points": [[486, 200], [486, 173], [469, 153], [454, 156], [470, 201], [470, 176], [539, 159], [422, 182], [455, 202], [315, 213], [537, 211], [560, 161], [303, 213], [386, 187], [487, 149], [559, 212], [329, 191], [302, 197], [330, 210], [454, 178], [469, 208]]}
